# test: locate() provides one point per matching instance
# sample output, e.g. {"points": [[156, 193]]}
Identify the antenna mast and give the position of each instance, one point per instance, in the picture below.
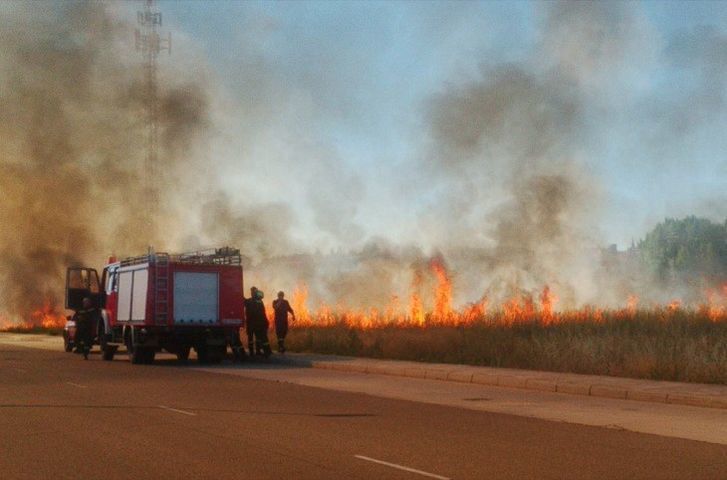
{"points": [[149, 42]]}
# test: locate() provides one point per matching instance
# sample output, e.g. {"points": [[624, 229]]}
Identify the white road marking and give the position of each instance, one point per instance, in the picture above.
{"points": [[401, 467], [76, 385], [178, 411]]}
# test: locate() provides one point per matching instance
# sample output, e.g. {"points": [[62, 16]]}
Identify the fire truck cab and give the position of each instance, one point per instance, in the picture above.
{"points": [[80, 283], [159, 301]]}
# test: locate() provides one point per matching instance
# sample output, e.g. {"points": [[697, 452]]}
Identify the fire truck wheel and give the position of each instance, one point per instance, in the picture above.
{"points": [[149, 354], [215, 355], [101, 333], [67, 344], [136, 354], [202, 354], [108, 352], [183, 354]]}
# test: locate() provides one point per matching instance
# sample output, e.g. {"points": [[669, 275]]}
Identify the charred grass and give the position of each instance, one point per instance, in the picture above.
{"points": [[682, 346]]}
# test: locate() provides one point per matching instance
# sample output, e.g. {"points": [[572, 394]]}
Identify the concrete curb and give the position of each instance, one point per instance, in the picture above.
{"points": [[695, 395], [690, 394]]}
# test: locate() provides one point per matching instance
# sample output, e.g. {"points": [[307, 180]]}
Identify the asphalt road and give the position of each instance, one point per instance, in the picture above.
{"points": [[62, 417]]}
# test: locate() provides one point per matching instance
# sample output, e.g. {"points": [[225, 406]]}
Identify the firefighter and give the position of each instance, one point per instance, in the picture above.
{"points": [[282, 308], [250, 321], [257, 324], [85, 319]]}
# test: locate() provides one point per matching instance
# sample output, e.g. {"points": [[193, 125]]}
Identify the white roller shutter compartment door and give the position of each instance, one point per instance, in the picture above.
{"points": [[196, 298]]}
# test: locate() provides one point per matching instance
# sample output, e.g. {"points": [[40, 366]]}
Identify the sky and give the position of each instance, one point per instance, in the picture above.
{"points": [[354, 81]]}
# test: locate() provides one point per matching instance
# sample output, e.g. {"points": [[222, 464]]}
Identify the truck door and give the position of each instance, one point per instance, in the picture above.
{"points": [[80, 283], [110, 280]]}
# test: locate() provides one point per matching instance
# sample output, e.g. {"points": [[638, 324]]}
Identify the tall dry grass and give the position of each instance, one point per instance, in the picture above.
{"points": [[684, 346]]}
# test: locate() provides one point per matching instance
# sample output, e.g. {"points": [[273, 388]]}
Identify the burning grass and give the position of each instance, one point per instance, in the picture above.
{"points": [[662, 342], [45, 319], [668, 343], [675, 342]]}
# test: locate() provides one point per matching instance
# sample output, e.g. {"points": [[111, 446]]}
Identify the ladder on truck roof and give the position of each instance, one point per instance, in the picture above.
{"points": [[214, 256], [148, 258], [159, 263]]}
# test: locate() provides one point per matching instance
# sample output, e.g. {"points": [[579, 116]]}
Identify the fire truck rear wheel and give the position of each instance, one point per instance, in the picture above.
{"points": [[216, 354], [148, 356], [67, 345], [108, 352], [141, 356], [202, 354], [136, 354], [183, 354]]}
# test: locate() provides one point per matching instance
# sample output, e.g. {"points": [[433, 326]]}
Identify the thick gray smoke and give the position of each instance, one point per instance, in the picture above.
{"points": [[72, 147], [257, 235], [516, 210], [514, 137], [512, 146]]}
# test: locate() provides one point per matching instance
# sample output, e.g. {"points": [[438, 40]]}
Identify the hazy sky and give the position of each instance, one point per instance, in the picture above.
{"points": [[354, 81]]}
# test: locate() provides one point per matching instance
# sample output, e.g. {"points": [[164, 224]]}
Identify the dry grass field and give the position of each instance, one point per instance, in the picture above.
{"points": [[660, 344]]}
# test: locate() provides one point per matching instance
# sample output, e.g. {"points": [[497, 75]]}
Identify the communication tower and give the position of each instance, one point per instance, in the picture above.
{"points": [[150, 43]]}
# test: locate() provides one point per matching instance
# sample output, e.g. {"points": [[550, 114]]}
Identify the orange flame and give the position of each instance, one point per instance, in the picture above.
{"points": [[6, 324], [547, 301], [716, 306], [523, 307], [443, 292], [46, 316], [674, 305], [475, 311], [632, 304], [300, 297], [416, 310], [393, 310]]}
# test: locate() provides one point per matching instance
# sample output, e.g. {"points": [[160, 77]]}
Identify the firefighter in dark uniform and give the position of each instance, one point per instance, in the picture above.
{"points": [[249, 321], [282, 309], [85, 319], [257, 324]]}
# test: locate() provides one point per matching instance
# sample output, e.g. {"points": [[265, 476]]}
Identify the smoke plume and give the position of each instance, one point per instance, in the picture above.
{"points": [[72, 147]]}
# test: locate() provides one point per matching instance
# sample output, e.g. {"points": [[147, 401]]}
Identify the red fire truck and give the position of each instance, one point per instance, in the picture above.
{"points": [[160, 302]]}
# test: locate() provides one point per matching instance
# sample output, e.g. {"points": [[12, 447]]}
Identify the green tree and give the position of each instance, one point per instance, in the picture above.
{"points": [[686, 249]]}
